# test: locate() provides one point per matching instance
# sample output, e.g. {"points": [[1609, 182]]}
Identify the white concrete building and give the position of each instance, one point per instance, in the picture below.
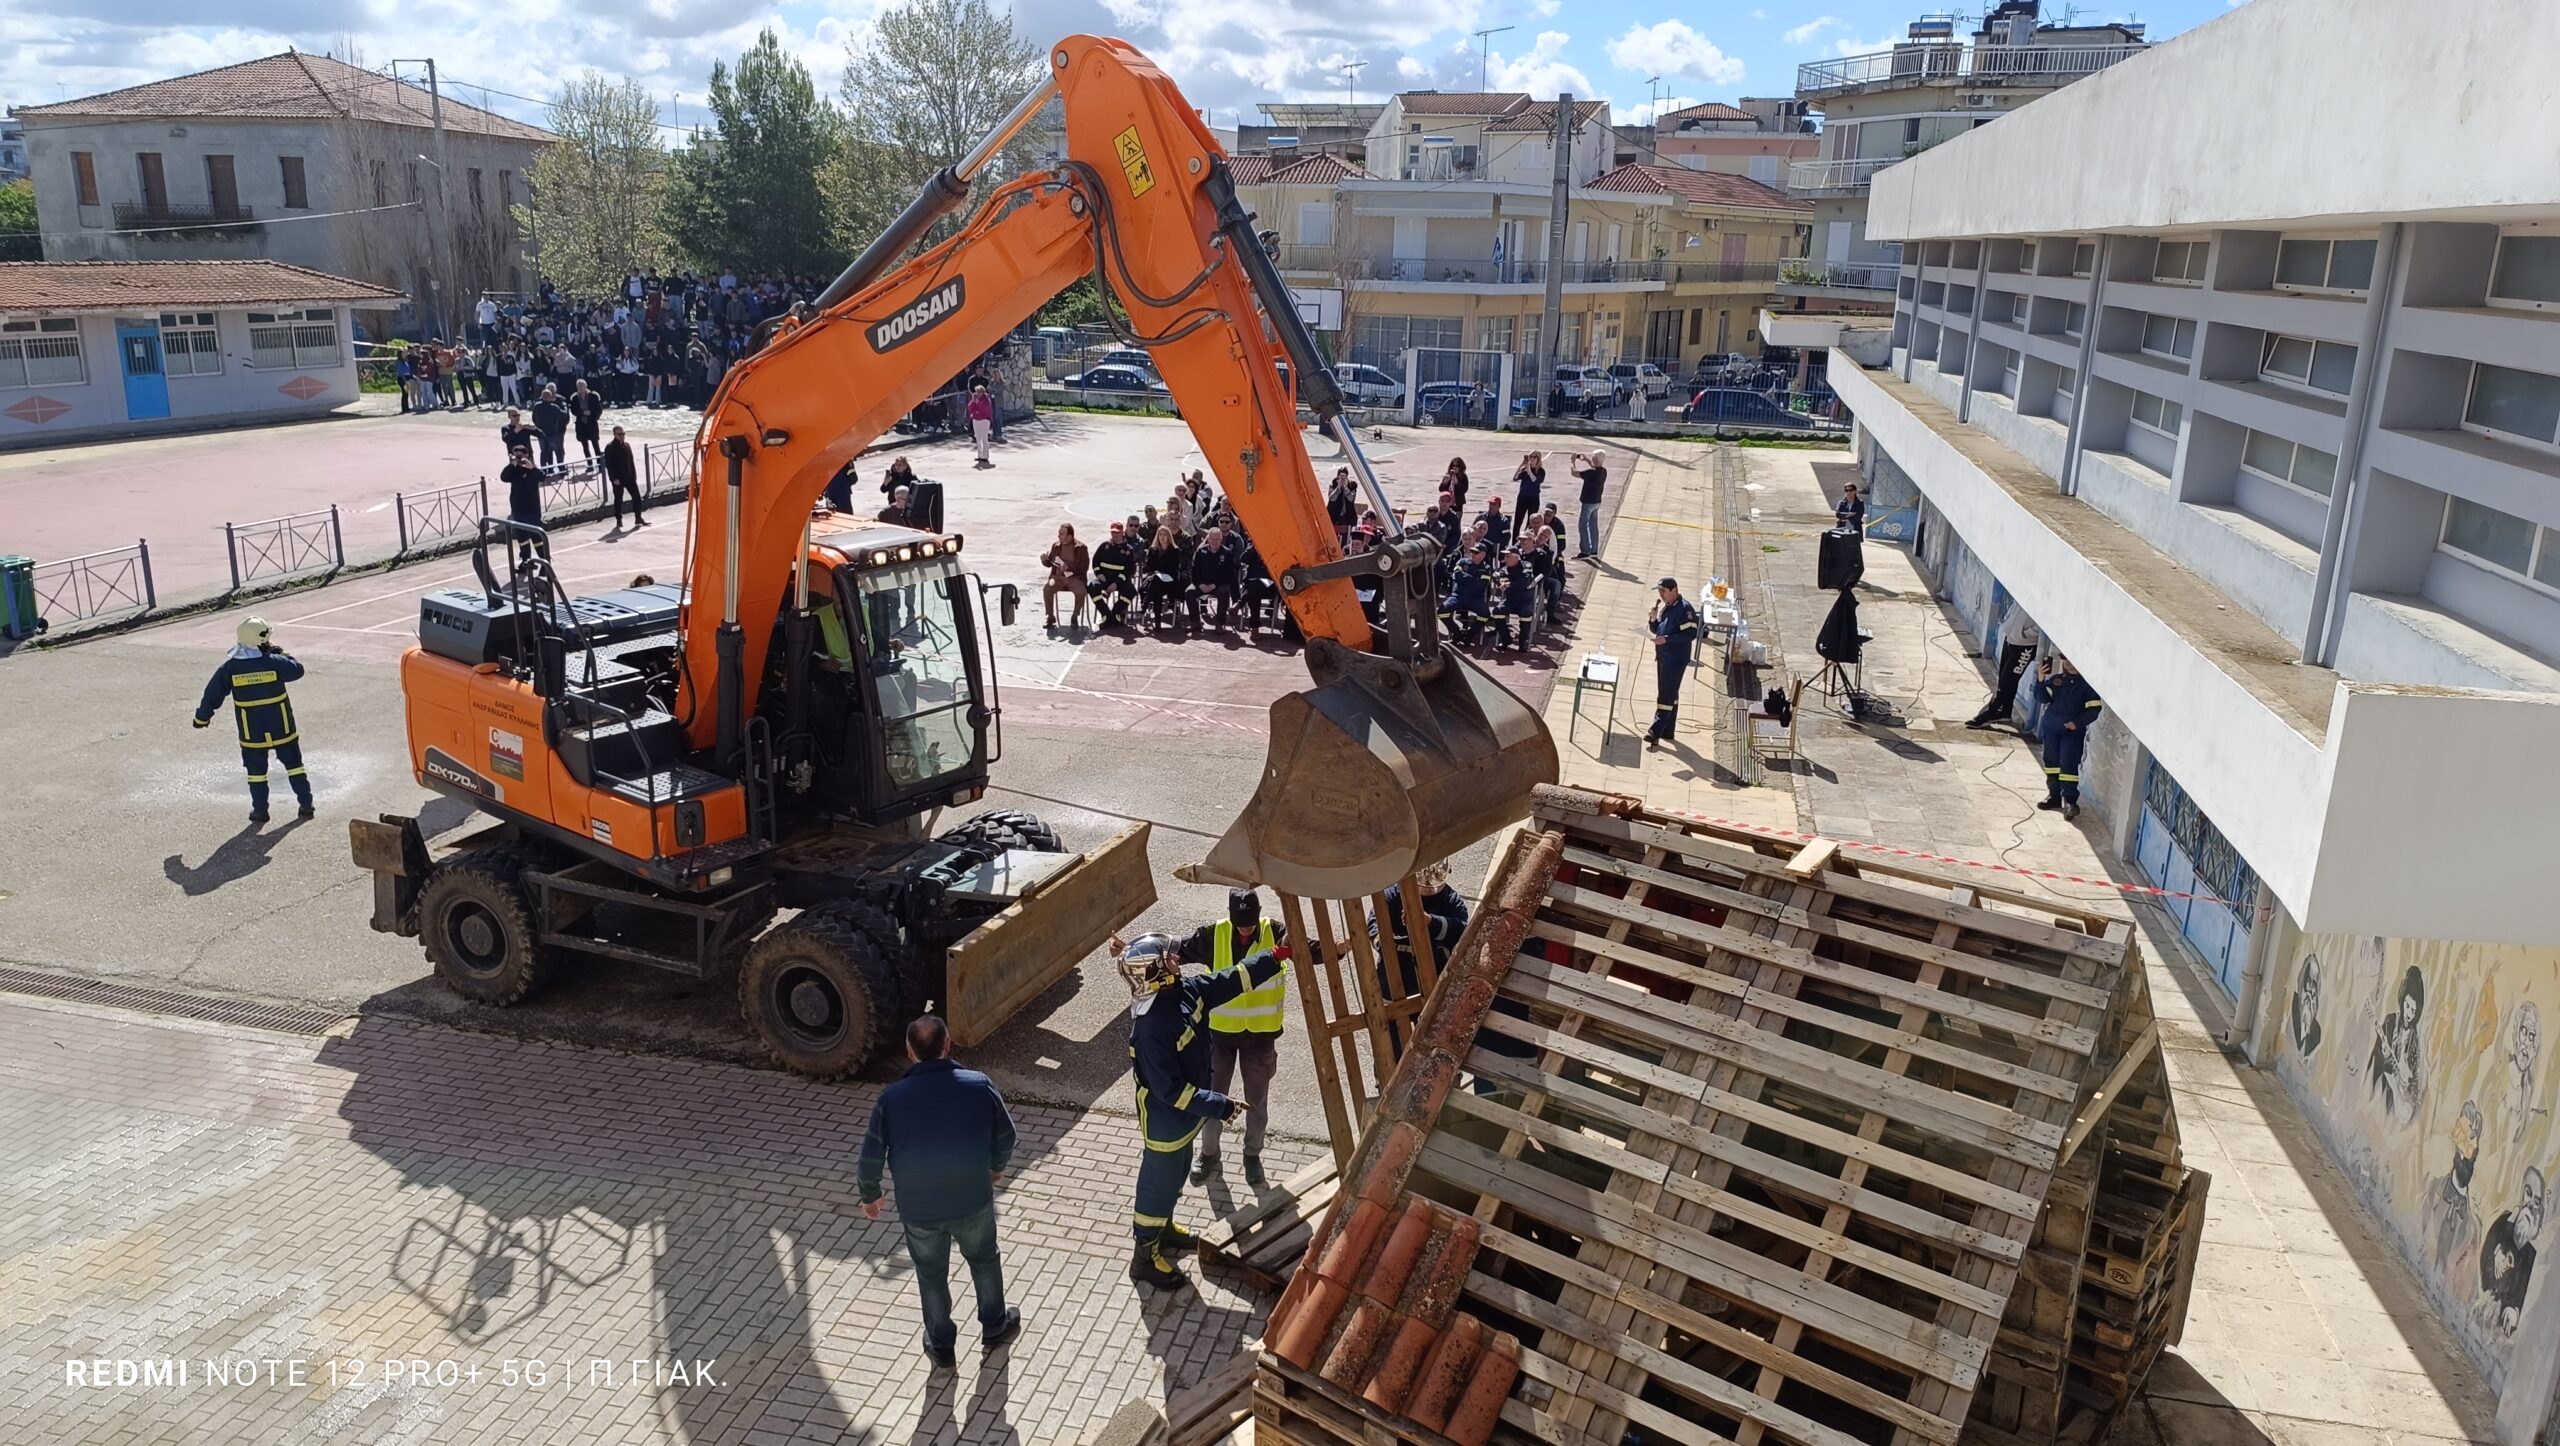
{"points": [[1929, 88], [2259, 419], [295, 158], [115, 348]]}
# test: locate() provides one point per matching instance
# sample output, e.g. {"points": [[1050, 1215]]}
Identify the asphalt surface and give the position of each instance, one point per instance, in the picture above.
{"points": [[124, 851]]}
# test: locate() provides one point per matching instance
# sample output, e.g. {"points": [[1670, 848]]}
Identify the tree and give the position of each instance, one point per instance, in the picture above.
{"points": [[598, 193], [928, 83], [745, 193], [19, 238]]}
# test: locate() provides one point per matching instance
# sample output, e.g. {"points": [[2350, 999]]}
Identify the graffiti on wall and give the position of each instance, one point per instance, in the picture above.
{"points": [[2419, 1062]]}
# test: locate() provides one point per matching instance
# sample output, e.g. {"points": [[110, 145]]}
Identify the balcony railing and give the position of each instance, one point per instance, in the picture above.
{"points": [[148, 215], [1694, 272], [1956, 64], [1841, 275], [1304, 258], [1484, 271], [1834, 178]]}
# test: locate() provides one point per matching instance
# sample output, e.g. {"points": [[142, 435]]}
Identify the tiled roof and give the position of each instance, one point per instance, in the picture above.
{"points": [[1437, 102], [1714, 110], [1282, 169], [1705, 188], [153, 285], [291, 86], [1541, 115]]}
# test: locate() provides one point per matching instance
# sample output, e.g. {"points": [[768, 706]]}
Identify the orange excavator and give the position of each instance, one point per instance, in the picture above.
{"points": [[779, 732]]}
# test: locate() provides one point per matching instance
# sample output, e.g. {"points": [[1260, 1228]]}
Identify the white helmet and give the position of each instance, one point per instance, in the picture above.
{"points": [[1150, 964], [255, 633]]}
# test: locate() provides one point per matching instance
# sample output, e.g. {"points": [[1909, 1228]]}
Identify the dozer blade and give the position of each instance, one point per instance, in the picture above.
{"points": [[1009, 960], [1379, 769]]}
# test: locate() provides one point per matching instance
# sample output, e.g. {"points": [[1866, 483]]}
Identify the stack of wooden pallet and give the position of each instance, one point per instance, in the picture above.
{"points": [[1753, 1141]]}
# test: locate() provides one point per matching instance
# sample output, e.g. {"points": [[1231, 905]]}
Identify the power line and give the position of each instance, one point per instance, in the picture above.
{"points": [[217, 225]]}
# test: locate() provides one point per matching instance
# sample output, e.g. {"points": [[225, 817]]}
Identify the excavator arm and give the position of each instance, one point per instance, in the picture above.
{"points": [[1403, 752]]}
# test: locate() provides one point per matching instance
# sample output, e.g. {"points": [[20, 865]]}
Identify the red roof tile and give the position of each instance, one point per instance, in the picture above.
{"points": [[1714, 110], [1436, 102], [1706, 188], [154, 285], [1279, 168], [1541, 115], [291, 86]]}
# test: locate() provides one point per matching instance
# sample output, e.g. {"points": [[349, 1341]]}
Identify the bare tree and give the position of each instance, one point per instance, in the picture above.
{"points": [[926, 85], [596, 194]]}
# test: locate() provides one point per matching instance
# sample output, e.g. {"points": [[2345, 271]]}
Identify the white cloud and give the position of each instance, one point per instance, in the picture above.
{"points": [[1410, 68], [1673, 47], [1546, 8], [1852, 45], [1643, 111], [1543, 71], [1810, 29]]}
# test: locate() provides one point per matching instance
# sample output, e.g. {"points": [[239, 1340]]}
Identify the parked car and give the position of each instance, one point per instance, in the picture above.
{"points": [[1740, 407], [1116, 378], [1457, 404], [1367, 386], [1581, 382], [1655, 381]]}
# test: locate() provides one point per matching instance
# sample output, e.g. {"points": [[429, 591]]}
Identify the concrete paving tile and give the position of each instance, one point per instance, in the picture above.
{"points": [[2257, 1273], [2189, 1423], [2272, 1327], [2310, 1387], [2455, 1405], [2294, 1431]]}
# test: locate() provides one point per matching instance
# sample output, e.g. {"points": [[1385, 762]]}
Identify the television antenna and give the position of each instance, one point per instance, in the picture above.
{"points": [[1350, 73], [1484, 59]]}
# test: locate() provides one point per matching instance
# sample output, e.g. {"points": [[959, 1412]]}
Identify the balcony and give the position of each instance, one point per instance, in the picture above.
{"points": [[1835, 178], [1953, 64], [1830, 278], [1693, 273], [1303, 257], [1482, 271], [162, 215]]}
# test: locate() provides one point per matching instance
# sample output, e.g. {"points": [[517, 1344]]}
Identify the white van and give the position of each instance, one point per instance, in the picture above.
{"points": [[1367, 386], [1580, 382]]}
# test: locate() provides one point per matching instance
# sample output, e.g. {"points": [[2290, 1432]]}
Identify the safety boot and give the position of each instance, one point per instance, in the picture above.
{"points": [[1203, 1165], [1149, 1266], [1254, 1174]]}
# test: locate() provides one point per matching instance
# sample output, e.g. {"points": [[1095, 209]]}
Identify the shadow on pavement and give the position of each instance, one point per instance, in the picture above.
{"points": [[234, 859]]}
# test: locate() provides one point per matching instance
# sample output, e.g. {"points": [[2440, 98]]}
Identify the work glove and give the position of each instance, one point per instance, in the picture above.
{"points": [[1227, 1110], [200, 722]]}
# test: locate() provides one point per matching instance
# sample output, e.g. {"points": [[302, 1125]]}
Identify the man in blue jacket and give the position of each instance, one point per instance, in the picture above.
{"points": [[2070, 706], [1169, 1048], [945, 1133], [254, 678]]}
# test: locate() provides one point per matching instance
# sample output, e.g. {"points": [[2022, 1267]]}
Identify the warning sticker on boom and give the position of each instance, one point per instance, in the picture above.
{"points": [[1133, 161]]}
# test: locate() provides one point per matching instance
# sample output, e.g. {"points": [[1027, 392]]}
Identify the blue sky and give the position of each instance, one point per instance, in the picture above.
{"points": [[1227, 54]]}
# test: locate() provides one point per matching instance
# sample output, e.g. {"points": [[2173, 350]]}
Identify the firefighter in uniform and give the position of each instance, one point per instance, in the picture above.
{"points": [[2070, 706], [1115, 572], [1674, 625], [254, 678], [1169, 1052]]}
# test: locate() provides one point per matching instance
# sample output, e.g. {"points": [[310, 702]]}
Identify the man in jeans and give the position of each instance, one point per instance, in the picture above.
{"points": [[1594, 472], [945, 1133]]}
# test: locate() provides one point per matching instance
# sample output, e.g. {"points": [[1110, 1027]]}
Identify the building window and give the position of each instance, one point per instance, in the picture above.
{"points": [[154, 181], [2293, 464], [381, 192], [294, 340], [2158, 413], [2084, 257], [2065, 382], [2324, 264], [2327, 366], [2180, 263], [189, 345], [84, 174], [1494, 333], [478, 207], [2501, 540], [1315, 223], [2514, 405], [222, 185], [415, 193], [297, 191], [2528, 272], [2009, 376], [2170, 336], [42, 352], [2027, 258], [2075, 319], [506, 191]]}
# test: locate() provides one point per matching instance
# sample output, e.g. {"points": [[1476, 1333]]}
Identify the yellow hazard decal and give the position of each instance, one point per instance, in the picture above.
{"points": [[1133, 161]]}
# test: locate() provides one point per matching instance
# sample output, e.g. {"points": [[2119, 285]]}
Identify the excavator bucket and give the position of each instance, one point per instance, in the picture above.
{"points": [[1379, 769]]}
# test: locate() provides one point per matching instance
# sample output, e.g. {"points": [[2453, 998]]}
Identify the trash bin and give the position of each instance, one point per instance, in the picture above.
{"points": [[18, 617]]}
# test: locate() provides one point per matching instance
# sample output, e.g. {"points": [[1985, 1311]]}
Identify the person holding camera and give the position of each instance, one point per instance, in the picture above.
{"points": [[254, 676], [2062, 730]]}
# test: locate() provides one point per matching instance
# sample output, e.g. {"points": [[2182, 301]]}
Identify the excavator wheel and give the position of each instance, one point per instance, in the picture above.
{"points": [[1008, 828], [478, 929], [915, 988], [819, 995]]}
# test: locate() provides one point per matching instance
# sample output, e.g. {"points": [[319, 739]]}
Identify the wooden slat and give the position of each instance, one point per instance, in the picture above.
{"points": [[2136, 1055], [1567, 1381], [1812, 858], [1340, 1116]]}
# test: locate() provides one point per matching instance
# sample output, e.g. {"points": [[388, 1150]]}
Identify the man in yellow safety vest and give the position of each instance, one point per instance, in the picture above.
{"points": [[1244, 1032]]}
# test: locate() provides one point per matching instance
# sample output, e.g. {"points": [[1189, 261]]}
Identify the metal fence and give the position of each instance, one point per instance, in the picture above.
{"points": [[666, 467], [1740, 409], [440, 514], [93, 585], [286, 546]]}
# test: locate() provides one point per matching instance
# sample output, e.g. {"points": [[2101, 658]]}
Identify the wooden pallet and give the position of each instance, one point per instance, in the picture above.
{"points": [[1265, 1240], [1765, 1133]]}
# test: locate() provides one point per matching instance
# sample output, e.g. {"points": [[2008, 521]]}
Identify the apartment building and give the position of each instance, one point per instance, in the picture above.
{"points": [[1311, 128], [1454, 252], [1933, 86], [1759, 138], [2269, 445], [295, 158]]}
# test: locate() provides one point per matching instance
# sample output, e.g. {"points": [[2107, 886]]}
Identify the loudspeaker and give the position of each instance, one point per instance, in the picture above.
{"points": [[924, 506], [1842, 560]]}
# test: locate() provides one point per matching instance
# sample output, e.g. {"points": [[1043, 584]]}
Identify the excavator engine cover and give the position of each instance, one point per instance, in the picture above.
{"points": [[1379, 769]]}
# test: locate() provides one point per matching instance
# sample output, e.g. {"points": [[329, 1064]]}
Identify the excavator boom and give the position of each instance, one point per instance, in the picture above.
{"points": [[1403, 752]]}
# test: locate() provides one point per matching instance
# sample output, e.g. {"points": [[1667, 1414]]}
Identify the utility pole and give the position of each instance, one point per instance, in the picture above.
{"points": [[1558, 207], [444, 202], [1484, 59]]}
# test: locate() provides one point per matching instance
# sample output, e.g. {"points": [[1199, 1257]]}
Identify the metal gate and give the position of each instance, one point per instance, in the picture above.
{"points": [[2178, 848]]}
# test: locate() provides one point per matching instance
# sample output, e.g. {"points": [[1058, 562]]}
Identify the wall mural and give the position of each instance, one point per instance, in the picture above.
{"points": [[2419, 1062]]}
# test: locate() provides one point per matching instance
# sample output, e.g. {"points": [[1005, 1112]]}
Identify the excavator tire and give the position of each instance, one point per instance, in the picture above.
{"points": [[478, 928], [1005, 828], [915, 988], [818, 994]]}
